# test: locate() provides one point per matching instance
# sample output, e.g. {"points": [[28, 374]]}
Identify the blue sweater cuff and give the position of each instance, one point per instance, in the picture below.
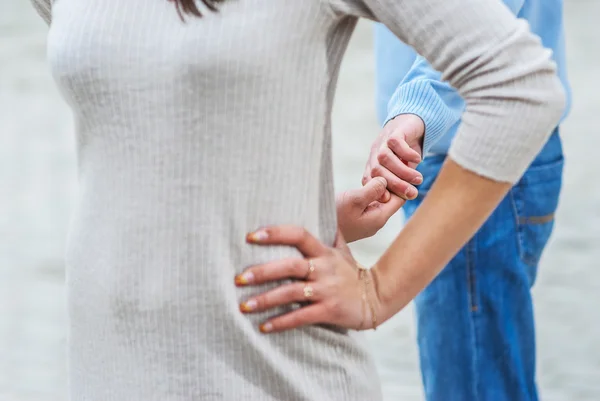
{"points": [[420, 99]]}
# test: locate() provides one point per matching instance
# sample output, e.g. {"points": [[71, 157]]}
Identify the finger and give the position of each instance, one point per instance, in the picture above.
{"points": [[310, 314], [290, 235], [383, 211], [396, 185], [401, 148], [279, 270], [411, 164], [367, 178], [396, 166], [372, 191], [282, 295], [377, 214], [367, 174], [385, 197], [391, 207]]}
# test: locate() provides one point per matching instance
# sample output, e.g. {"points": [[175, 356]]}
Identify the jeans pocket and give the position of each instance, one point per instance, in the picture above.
{"points": [[535, 200]]}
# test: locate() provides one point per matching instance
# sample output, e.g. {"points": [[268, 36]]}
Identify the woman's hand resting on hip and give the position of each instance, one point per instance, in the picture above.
{"points": [[332, 286]]}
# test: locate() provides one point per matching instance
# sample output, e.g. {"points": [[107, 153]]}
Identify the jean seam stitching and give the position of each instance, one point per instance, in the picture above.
{"points": [[518, 232], [471, 275], [470, 261]]}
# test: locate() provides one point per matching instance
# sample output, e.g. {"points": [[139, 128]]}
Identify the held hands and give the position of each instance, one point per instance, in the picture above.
{"points": [[362, 212], [335, 288], [338, 291], [392, 162], [330, 284], [396, 153]]}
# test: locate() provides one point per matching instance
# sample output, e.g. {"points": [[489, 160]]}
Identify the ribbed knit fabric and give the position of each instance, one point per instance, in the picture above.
{"points": [[421, 99], [192, 134]]}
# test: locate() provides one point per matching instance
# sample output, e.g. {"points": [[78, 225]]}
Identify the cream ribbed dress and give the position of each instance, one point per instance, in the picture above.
{"points": [[192, 134]]}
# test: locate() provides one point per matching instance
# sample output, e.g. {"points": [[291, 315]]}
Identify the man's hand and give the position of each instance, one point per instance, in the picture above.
{"points": [[362, 212], [396, 153]]}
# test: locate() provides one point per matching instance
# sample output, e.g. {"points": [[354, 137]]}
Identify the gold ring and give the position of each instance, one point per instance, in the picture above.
{"points": [[311, 269], [308, 291]]}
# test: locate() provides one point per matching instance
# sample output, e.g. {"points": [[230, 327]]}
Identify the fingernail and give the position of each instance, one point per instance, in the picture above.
{"points": [[410, 192], [258, 236], [244, 279], [418, 180], [266, 327], [248, 306]]}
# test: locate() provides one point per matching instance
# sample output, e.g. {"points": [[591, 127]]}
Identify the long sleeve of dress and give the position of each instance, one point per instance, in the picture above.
{"points": [[508, 81]]}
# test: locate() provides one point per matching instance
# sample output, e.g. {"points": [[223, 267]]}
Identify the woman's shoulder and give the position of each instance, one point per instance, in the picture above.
{"points": [[44, 9]]}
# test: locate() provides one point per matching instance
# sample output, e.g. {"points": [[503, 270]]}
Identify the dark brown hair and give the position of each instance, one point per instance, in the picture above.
{"points": [[189, 7]]}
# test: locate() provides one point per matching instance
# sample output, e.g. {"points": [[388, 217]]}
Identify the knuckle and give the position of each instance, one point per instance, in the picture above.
{"points": [[355, 199], [296, 268], [377, 170], [296, 291], [380, 184], [383, 156], [259, 275], [262, 302], [393, 142], [304, 235], [304, 238], [297, 235], [398, 187]]}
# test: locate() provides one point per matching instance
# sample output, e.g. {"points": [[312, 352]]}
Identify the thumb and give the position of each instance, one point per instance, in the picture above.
{"points": [[390, 208], [374, 190]]}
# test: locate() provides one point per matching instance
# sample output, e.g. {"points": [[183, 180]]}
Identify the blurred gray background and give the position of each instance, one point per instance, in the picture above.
{"points": [[38, 182]]}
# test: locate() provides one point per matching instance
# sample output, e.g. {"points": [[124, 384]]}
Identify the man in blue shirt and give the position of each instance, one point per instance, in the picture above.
{"points": [[475, 320]]}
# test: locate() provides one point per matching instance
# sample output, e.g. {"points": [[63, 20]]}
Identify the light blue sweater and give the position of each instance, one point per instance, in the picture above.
{"points": [[419, 89]]}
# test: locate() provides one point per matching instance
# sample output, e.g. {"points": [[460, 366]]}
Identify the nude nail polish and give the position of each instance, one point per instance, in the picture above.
{"points": [[244, 278], [266, 327], [248, 306], [258, 236]]}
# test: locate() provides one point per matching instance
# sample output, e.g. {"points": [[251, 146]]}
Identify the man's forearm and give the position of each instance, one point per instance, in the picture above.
{"points": [[424, 94]]}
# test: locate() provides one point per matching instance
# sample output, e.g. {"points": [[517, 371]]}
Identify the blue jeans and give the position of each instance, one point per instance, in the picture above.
{"points": [[475, 320]]}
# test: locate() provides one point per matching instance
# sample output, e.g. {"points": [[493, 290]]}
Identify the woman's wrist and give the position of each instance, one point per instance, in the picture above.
{"points": [[455, 207], [391, 296]]}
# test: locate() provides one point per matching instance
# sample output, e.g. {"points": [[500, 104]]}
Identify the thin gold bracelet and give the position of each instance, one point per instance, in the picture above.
{"points": [[364, 276]]}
